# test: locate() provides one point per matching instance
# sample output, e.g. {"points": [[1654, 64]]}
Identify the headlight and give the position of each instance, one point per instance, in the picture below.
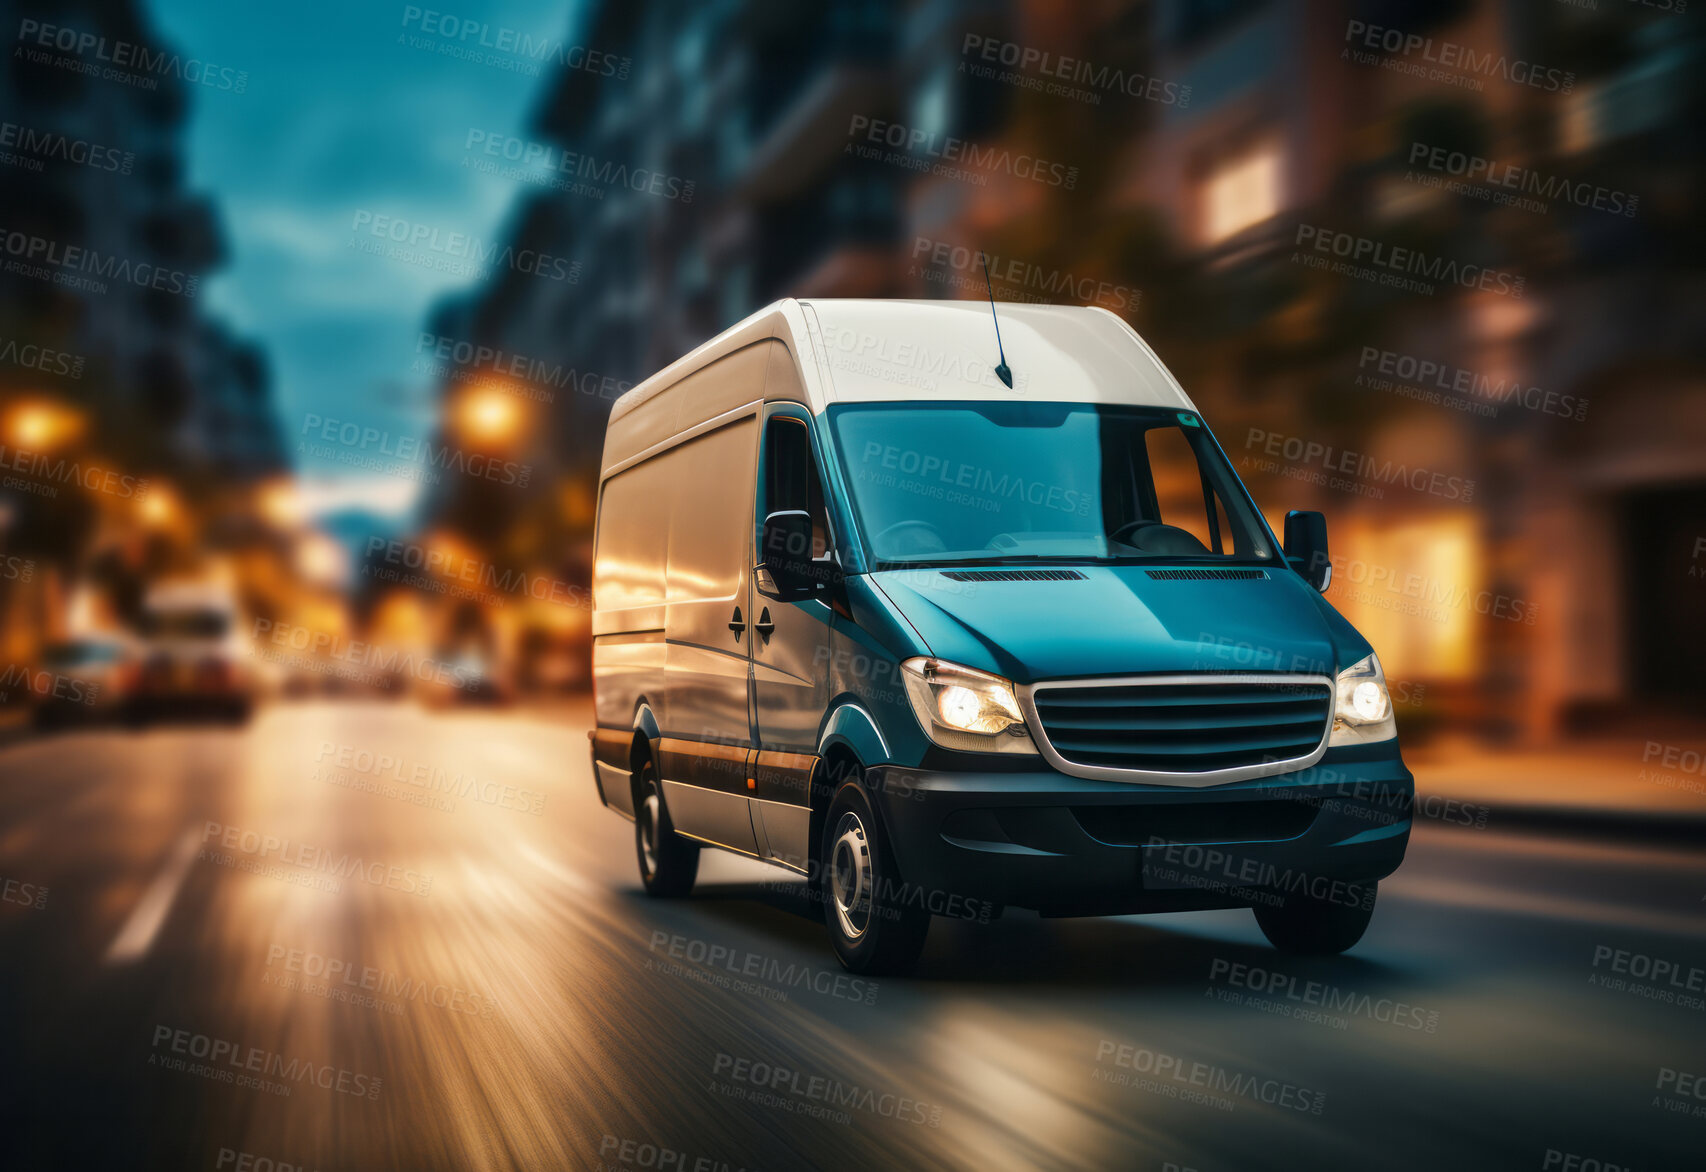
{"points": [[1362, 712], [960, 708]]}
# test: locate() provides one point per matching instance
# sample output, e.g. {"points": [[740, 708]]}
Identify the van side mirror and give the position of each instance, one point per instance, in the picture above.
{"points": [[1306, 547], [786, 548]]}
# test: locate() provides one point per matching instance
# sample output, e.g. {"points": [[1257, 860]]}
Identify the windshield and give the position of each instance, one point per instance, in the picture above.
{"points": [[958, 483]]}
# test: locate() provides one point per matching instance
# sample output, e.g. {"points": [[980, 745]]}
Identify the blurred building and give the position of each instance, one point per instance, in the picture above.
{"points": [[109, 363], [1495, 391]]}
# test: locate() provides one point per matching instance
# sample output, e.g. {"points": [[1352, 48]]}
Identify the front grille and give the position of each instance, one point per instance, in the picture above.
{"points": [[1196, 725]]}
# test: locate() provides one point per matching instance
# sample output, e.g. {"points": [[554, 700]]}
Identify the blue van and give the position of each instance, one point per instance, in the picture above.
{"points": [[947, 625]]}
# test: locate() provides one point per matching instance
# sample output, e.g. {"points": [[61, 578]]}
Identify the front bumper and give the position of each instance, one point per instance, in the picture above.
{"points": [[1069, 846]]}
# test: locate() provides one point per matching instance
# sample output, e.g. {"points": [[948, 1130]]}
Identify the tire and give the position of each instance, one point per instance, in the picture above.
{"points": [[871, 927], [1313, 927], [668, 863]]}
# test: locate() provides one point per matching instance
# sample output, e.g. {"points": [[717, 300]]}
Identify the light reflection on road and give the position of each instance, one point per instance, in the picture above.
{"points": [[582, 1027]]}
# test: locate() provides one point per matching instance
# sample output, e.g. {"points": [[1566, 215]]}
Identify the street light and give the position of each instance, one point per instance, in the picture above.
{"points": [[41, 425], [281, 504], [488, 414], [158, 509]]}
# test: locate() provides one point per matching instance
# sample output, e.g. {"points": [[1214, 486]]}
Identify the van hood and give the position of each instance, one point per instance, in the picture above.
{"points": [[1123, 620]]}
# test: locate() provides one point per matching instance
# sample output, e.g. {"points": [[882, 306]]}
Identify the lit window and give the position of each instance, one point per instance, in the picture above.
{"points": [[1241, 191]]}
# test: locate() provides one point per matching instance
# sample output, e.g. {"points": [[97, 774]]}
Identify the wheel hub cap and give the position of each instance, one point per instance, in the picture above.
{"points": [[850, 876]]}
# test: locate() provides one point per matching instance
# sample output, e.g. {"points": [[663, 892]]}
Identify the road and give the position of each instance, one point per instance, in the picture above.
{"points": [[193, 976]]}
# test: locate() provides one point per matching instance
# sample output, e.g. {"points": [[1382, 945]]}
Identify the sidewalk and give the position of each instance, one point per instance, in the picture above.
{"points": [[1622, 787]]}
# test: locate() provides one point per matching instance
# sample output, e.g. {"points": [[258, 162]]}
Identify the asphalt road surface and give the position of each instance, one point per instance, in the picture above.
{"points": [[223, 947]]}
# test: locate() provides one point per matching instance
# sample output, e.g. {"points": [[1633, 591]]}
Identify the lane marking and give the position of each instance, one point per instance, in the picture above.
{"points": [[137, 936]]}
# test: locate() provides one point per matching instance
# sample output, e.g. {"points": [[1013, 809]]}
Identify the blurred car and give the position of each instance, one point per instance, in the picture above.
{"points": [[83, 679], [467, 675], [191, 655]]}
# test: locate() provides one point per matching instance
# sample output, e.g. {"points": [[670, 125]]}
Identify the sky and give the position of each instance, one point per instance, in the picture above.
{"points": [[342, 116]]}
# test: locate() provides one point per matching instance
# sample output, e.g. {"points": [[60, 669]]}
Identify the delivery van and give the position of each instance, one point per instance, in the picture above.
{"points": [[949, 622]]}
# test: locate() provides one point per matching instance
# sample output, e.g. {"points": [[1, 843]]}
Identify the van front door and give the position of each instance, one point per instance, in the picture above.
{"points": [[790, 646]]}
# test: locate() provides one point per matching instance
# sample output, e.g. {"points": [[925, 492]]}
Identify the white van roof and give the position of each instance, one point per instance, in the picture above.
{"points": [[866, 350]]}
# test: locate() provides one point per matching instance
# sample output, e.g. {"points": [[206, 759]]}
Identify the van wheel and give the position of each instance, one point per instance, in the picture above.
{"points": [[871, 926], [1313, 927], [668, 862]]}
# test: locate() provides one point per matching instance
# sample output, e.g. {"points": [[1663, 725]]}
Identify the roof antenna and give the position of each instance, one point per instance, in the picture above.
{"points": [[1001, 372]]}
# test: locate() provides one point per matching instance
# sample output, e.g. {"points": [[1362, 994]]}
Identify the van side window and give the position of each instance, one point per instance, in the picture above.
{"points": [[790, 476], [1183, 499]]}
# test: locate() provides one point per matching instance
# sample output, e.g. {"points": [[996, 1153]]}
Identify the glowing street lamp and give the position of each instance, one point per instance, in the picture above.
{"points": [[486, 414], [321, 560], [42, 425], [281, 504], [158, 508]]}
